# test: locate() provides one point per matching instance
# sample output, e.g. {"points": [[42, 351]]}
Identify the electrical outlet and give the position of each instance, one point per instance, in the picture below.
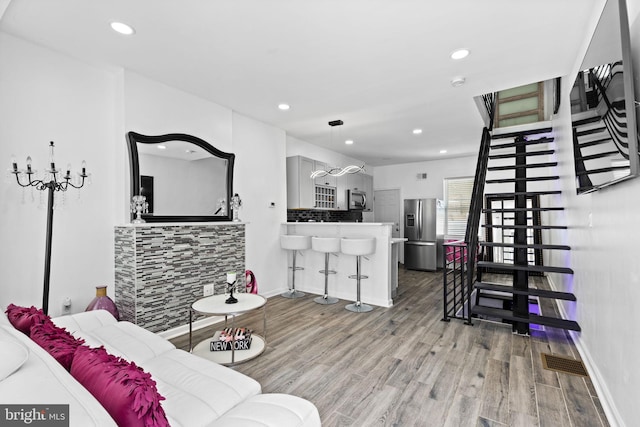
{"points": [[208, 290], [66, 305]]}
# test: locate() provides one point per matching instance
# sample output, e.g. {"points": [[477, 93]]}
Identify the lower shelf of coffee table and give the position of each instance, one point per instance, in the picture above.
{"points": [[258, 346]]}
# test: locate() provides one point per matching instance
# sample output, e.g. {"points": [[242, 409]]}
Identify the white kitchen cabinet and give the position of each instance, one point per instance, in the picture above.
{"points": [[327, 180], [341, 193], [355, 181], [300, 185], [368, 188]]}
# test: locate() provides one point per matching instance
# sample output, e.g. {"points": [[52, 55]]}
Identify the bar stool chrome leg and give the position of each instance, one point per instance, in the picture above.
{"points": [[326, 299], [292, 293], [358, 306]]}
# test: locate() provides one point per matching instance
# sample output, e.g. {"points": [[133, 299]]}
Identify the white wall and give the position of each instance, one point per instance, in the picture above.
{"points": [[49, 97], [259, 170], [261, 179], [298, 147], [604, 257], [404, 178]]}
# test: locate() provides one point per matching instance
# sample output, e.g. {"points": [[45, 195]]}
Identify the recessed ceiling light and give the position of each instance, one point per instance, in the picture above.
{"points": [[349, 141], [162, 147], [283, 107], [122, 28], [443, 151], [417, 131], [459, 53], [457, 81]]}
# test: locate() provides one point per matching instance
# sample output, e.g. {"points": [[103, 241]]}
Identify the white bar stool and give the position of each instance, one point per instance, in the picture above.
{"points": [[359, 247], [294, 243], [327, 245]]}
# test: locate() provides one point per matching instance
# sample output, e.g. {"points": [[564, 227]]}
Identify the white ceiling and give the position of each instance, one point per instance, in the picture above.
{"points": [[381, 66]]}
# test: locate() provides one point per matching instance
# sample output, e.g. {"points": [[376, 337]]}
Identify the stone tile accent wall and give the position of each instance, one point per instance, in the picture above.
{"points": [[161, 269], [304, 215]]}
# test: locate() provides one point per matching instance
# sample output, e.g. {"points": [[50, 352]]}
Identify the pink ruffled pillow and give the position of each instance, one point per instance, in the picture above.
{"points": [[127, 392], [23, 318], [56, 341]]}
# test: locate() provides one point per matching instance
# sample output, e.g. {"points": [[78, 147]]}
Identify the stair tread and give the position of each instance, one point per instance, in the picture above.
{"points": [[543, 140], [534, 227], [588, 120], [524, 209], [522, 133], [602, 170], [594, 142], [544, 293], [599, 155], [532, 246], [527, 166], [580, 133], [533, 268], [528, 153], [528, 179], [524, 193], [553, 322]]}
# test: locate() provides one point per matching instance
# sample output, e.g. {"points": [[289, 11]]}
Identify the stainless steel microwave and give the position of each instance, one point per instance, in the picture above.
{"points": [[356, 200]]}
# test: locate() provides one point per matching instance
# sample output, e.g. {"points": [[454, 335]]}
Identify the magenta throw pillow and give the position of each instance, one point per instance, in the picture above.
{"points": [[56, 341], [127, 392], [23, 318]]}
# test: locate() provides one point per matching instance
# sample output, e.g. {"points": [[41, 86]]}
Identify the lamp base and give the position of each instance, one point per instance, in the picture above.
{"points": [[231, 299]]}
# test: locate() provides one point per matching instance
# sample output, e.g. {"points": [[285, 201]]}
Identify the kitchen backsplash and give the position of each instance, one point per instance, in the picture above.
{"points": [[305, 215]]}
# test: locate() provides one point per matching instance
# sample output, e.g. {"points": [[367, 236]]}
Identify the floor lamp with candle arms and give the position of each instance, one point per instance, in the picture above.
{"points": [[53, 180]]}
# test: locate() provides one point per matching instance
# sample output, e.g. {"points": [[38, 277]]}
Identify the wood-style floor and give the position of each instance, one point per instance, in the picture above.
{"points": [[403, 366]]}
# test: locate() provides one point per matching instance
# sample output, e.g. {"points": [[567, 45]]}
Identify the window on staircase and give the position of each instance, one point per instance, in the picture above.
{"points": [[457, 198], [505, 235], [520, 105]]}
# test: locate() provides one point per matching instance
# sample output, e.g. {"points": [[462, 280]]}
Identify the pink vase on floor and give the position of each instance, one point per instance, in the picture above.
{"points": [[103, 302]]}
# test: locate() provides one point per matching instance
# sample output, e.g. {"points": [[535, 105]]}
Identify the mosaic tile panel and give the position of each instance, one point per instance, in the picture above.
{"points": [[161, 270], [304, 215], [125, 284]]}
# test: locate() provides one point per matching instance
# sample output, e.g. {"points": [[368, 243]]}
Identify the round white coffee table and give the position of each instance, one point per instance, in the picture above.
{"points": [[215, 306]]}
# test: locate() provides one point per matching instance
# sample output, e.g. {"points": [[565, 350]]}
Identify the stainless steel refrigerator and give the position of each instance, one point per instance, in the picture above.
{"points": [[422, 250]]}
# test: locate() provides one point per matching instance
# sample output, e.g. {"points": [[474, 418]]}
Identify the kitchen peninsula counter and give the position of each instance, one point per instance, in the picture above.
{"points": [[377, 290]]}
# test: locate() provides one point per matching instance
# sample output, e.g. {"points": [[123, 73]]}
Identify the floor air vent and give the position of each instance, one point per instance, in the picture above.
{"points": [[563, 364]]}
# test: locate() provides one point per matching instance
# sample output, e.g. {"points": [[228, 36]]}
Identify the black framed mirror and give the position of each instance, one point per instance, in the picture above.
{"points": [[184, 178], [605, 141]]}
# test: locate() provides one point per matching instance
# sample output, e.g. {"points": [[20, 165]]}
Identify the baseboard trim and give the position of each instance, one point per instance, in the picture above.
{"points": [[606, 400]]}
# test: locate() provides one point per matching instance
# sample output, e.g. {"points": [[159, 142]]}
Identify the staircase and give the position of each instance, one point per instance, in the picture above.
{"points": [[517, 163], [600, 139], [600, 149]]}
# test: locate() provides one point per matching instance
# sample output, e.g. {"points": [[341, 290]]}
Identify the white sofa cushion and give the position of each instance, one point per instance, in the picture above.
{"points": [[86, 321], [42, 380], [271, 410], [123, 339], [12, 354], [197, 391]]}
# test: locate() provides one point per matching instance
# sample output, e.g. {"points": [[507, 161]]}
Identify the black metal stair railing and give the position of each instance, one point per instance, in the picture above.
{"points": [[601, 145], [511, 302], [460, 256], [614, 117]]}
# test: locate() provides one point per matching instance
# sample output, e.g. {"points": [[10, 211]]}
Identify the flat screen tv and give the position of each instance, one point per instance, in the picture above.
{"points": [[605, 133]]}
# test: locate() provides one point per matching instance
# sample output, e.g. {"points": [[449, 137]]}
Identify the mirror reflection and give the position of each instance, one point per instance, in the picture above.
{"points": [[183, 177], [604, 131]]}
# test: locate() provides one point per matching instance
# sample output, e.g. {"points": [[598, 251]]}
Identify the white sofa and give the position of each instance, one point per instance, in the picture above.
{"points": [[198, 392]]}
